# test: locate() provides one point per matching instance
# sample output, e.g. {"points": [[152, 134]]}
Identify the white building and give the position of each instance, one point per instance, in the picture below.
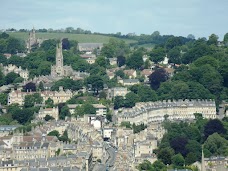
{"points": [[177, 110]]}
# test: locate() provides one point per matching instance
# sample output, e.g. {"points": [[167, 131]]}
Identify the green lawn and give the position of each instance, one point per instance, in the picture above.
{"points": [[81, 38]]}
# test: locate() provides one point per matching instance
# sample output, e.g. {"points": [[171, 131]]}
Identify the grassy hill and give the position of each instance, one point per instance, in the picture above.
{"points": [[81, 38]]}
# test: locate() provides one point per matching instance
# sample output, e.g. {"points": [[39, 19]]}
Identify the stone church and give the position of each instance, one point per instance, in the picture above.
{"points": [[60, 70], [32, 40]]}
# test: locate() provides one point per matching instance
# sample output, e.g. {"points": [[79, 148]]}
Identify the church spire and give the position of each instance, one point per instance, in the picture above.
{"points": [[202, 161]]}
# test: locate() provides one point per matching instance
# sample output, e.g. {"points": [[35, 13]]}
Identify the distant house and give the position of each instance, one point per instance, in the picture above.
{"points": [[131, 73], [117, 91], [100, 109], [146, 73], [91, 60], [128, 82], [87, 56], [89, 47], [54, 112], [113, 61]]}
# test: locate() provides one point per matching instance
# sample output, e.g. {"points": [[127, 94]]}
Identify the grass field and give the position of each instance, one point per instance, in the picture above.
{"points": [[81, 38]]}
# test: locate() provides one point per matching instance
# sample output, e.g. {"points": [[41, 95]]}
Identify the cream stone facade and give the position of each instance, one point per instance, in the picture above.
{"points": [[176, 110], [54, 112], [60, 70], [32, 40], [117, 91], [145, 147], [101, 110], [61, 96], [18, 70]]}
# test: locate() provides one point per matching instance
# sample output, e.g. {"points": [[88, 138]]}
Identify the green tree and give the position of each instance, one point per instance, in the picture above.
{"points": [[157, 54], [64, 112], [118, 102], [135, 61], [157, 77], [10, 77], [213, 40], [216, 145], [41, 86], [102, 61], [3, 98], [174, 56], [31, 100], [225, 39], [54, 133], [96, 83], [49, 103], [130, 99], [48, 117], [165, 155], [178, 160], [213, 126]]}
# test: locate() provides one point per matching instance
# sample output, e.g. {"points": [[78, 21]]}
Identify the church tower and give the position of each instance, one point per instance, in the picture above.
{"points": [[59, 60], [202, 161]]}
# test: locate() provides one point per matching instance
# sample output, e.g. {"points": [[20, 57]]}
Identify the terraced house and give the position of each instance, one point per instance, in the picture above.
{"points": [[172, 110]]}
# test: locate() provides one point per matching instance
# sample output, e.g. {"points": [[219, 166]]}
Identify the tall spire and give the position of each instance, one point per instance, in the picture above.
{"points": [[202, 161]]}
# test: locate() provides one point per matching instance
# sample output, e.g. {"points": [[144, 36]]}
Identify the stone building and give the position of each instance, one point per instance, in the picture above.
{"points": [[32, 40], [61, 96], [117, 91], [173, 110], [60, 70], [18, 70], [54, 112]]}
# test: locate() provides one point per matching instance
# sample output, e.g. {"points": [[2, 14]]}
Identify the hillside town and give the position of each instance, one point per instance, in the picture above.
{"points": [[76, 100]]}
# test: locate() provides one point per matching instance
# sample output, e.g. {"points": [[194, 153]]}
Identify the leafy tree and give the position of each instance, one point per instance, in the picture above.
{"points": [[64, 137], [96, 83], [3, 98], [102, 95], [48, 117], [23, 116], [10, 77], [64, 112], [31, 100], [67, 83], [121, 61], [216, 145], [190, 158], [120, 74], [135, 61], [102, 61], [29, 87], [48, 44], [213, 126], [174, 56], [178, 160], [158, 76], [54, 133], [118, 102], [206, 60], [178, 144], [86, 108], [130, 99], [146, 94], [49, 103], [114, 48], [41, 86], [18, 80], [126, 124], [225, 39], [66, 43], [157, 54], [173, 42], [213, 40], [165, 155], [191, 36]]}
